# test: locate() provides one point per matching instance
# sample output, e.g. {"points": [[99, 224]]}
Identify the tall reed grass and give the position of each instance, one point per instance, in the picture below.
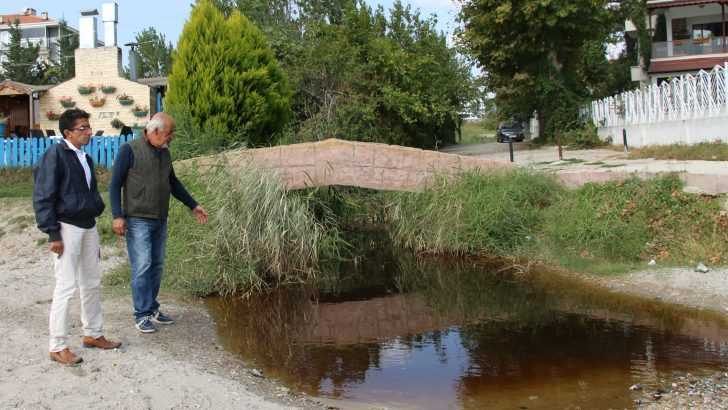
{"points": [[497, 213], [259, 235]]}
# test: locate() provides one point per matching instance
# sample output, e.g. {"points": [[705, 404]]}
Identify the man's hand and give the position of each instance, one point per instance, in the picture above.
{"points": [[200, 213], [119, 226], [56, 247]]}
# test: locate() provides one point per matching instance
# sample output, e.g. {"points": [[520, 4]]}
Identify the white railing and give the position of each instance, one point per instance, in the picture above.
{"points": [[686, 97]]}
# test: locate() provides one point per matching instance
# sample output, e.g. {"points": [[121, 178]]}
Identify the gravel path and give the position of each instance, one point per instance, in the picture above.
{"points": [[182, 366]]}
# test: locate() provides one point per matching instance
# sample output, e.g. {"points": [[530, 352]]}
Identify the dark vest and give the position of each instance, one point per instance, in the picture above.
{"points": [[147, 188]]}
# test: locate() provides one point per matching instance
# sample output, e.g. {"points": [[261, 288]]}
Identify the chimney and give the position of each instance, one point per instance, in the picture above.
{"points": [[110, 16], [44, 15], [87, 29], [29, 11]]}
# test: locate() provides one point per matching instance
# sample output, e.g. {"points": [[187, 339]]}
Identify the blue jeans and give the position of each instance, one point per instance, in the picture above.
{"points": [[145, 240]]}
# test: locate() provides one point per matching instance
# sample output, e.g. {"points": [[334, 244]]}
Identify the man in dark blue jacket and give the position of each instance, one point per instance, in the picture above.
{"points": [[66, 201]]}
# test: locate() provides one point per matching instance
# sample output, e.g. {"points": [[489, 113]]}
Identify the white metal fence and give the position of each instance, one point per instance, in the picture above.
{"points": [[686, 97]]}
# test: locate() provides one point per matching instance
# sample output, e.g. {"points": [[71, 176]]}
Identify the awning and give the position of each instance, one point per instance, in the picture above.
{"points": [[10, 87]]}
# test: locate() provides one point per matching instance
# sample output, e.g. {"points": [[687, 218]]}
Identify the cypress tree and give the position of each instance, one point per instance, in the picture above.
{"points": [[226, 81]]}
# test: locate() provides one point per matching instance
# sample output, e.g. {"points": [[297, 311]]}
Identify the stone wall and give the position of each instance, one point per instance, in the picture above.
{"points": [[97, 66], [362, 164]]}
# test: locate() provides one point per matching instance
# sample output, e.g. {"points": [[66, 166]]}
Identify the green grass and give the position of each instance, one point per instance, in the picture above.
{"points": [[706, 151], [599, 228], [496, 213], [473, 132], [18, 182]]}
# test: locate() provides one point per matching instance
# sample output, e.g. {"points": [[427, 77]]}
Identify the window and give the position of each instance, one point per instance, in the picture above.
{"points": [[680, 29], [707, 30]]}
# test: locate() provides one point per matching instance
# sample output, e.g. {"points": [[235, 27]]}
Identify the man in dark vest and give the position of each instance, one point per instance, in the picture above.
{"points": [[143, 173], [66, 201]]}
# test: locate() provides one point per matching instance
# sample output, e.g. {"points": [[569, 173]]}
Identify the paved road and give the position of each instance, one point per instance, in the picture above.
{"points": [[605, 164]]}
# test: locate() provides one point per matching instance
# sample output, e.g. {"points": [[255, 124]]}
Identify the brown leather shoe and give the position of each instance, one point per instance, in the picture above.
{"points": [[100, 342], [66, 357]]}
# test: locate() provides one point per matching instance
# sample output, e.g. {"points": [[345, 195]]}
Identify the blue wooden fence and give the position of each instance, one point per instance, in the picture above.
{"points": [[25, 152]]}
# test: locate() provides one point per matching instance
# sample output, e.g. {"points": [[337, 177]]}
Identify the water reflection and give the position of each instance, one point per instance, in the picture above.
{"points": [[462, 337]]}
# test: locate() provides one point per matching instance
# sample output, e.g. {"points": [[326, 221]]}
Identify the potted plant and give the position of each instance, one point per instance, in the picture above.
{"points": [[139, 111], [86, 89], [67, 102], [52, 115], [97, 101], [125, 99], [108, 89], [116, 123]]}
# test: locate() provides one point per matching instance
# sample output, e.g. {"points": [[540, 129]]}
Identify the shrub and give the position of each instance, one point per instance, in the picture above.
{"points": [[226, 77], [583, 137]]}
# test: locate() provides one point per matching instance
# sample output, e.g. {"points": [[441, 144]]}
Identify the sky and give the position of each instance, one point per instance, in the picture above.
{"points": [[169, 16]]}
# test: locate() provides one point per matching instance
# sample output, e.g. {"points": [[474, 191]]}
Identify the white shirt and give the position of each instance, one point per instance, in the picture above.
{"points": [[84, 163]]}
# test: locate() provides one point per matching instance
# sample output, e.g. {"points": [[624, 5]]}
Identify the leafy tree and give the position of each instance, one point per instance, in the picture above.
{"points": [[360, 74], [21, 60], [65, 68], [533, 53], [226, 81], [154, 54]]}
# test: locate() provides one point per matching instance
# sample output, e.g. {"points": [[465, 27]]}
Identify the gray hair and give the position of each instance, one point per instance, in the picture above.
{"points": [[155, 124]]}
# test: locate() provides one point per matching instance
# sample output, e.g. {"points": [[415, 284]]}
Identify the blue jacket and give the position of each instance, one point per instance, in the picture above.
{"points": [[60, 192]]}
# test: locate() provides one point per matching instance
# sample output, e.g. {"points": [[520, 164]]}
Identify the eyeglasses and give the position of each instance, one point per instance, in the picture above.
{"points": [[81, 128]]}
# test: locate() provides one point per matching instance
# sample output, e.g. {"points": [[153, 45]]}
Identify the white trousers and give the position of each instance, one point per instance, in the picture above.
{"points": [[78, 267]]}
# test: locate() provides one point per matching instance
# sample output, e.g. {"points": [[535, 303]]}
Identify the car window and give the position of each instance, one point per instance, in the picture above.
{"points": [[510, 125]]}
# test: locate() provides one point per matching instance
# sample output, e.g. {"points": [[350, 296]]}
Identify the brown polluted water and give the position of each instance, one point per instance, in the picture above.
{"points": [[433, 335]]}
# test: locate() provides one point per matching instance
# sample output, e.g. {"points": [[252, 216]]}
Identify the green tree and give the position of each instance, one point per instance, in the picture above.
{"points": [[21, 60], [226, 81], [65, 68], [154, 54], [358, 73], [533, 53]]}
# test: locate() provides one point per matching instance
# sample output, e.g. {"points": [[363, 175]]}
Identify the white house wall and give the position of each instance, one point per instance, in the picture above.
{"points": [[97, 66], [692, 131]]}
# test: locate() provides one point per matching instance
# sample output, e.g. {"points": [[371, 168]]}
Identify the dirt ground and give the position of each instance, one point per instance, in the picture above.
{"points": [[183, 365]]}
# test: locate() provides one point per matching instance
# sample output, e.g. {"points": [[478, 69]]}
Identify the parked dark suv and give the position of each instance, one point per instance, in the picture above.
{"points": [[510, 131]]}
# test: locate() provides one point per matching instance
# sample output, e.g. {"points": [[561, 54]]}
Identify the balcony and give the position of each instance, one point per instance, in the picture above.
{"points": [[687, 48]]}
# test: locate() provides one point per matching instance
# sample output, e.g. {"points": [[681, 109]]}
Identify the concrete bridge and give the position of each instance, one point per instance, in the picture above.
{"points": [[361, 164]]}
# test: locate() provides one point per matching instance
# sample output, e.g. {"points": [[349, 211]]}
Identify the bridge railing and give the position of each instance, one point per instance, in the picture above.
{"points": [[25, 152]]}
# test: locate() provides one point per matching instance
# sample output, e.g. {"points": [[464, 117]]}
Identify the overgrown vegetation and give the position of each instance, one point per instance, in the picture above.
{"points": [[474, 132], [258, 235], [497, 213], [527, 216], [582, 137], [705, 151]]}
